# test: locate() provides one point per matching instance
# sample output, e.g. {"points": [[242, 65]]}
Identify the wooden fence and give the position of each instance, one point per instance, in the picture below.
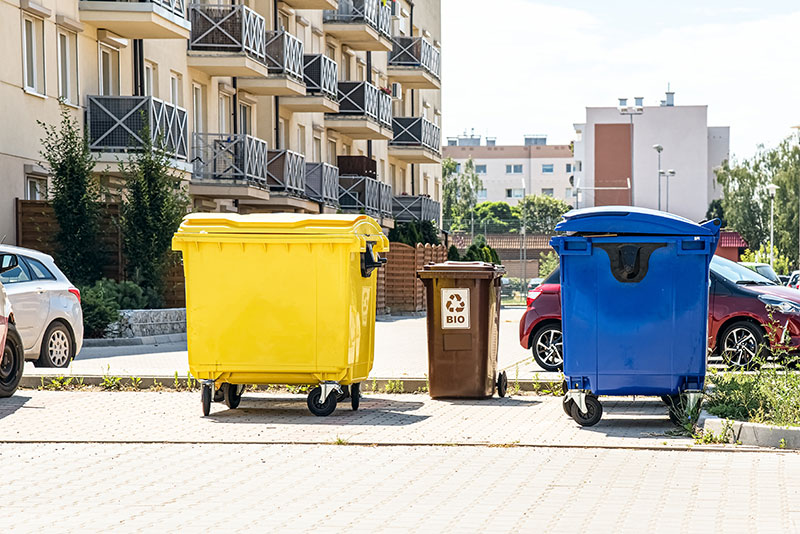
{"points": [[404, 292]]}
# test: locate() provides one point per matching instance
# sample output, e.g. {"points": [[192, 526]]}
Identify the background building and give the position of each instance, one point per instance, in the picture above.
{"points": [[510, 172], [690, 147], [302, 105]]}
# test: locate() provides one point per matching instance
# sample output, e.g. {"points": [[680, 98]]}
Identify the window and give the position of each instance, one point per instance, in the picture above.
{"points": [[482, 194], [150, 84], [579, 166], [480, 169], [284, 18], [301, 139], [68, 66], [35, 188], [568, 193], [284, 128], [330, 51], [224, 113], [316, 149], [569, 167], [33, 45], [547, 192], [198, 107], [332, 152], [176, 89], [458, 167], [513, 169], [393, 179], [346, 149], [345, 70], [515, 193], [245, 119], [38, 270], [109, 71], [547, 168]]}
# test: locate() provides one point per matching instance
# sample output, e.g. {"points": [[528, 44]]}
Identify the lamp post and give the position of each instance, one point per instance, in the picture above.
{"points": [[669, 174], [659, 148], [771, 188], [636, 109]]}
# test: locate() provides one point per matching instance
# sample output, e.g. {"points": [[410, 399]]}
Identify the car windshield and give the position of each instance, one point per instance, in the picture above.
{"points": [[553, 278], [736, 273], [767, 272]]}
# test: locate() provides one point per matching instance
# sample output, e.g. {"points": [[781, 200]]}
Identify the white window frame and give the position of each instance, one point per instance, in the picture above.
{"points": [[482, 194], [73, 79], [548, 168], [548, 192], [176, 88], [479, 167], [38, 181], [224, 112], [512, 168], [198, 107], [112, 52], [150, 79], [37, 55], [245, 111]]}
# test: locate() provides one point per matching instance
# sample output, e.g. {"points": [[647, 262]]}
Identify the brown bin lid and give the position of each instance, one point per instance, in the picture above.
{"points": [[462, 269]]}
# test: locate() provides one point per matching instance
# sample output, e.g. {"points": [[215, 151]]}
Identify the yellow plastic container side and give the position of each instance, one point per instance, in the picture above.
{"points": [[279, 298]]}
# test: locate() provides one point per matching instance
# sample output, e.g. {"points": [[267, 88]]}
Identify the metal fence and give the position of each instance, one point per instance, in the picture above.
{"points": [[407, 208], [320, 76], [363, 98], [360, 194], [322, 183], [118, 123], [284, 54], [385, 201], [415, 52], [371, 12], [227, 28], [230, 157], [416, 131], [176, 7], [286, 171]]}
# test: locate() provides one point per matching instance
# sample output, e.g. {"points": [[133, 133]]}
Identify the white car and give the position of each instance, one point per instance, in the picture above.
{"points": [[47, 308]]}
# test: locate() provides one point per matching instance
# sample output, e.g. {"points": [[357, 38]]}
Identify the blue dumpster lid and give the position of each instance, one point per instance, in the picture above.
{"points": [[632, 220]]}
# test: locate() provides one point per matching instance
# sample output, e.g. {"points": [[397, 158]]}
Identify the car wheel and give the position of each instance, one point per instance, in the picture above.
{"points": [[58, 348], [11, 364], [741, 345], [547, 348]]}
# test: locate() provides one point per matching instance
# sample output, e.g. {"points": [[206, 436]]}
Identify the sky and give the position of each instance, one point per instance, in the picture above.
{"points": [[533, 66]]}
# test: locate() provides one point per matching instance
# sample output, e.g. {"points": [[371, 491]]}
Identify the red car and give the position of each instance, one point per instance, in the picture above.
{"points": [[740, 301], [13, 357]]}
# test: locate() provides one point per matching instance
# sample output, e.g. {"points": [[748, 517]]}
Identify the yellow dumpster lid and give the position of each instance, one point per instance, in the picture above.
{"points": [[278, 223]]}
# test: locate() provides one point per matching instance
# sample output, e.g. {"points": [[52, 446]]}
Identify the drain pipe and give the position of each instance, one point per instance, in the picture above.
{"points": [[138, 67], [369, 79], [411, 28], [276, 99], [235, 110]]}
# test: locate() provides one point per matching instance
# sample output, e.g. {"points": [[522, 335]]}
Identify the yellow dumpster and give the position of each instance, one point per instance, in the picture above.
{"points": [[280, 299]]}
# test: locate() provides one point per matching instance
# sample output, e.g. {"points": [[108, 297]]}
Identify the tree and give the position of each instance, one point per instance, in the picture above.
{"points": [[412, 233], [497, 217], [452, 254], [459, 193], [761, 255], [75, 196], [541, 213], [716, 211], [151, 213], [547, 263]]}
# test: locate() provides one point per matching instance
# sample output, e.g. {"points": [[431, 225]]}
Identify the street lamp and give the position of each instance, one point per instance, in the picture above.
{"points": [[669, 174], [659, 148], [771, 188], [636, 109]]}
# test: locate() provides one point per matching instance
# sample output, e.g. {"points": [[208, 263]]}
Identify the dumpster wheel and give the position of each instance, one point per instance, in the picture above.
{"points": [[594, 411], [233, 395], [206, 393], [341, 397], [502, 384], [566, 404], [355, 395], [318, 408]]}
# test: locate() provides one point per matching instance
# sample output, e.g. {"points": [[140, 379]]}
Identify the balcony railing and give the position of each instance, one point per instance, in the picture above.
{"points": [[320, 75], [119, 124], [371, 12], [286, 172], [415, 52], [230, 157], [322, 183], [357, 166], [407, 208], [227, 28], [284, 54], [360, 194], [363, 98], [176, 7], [415, 132], [385, 200]]}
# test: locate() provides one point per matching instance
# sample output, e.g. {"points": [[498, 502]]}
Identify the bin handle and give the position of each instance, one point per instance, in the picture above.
{"points": [[369, 261]]}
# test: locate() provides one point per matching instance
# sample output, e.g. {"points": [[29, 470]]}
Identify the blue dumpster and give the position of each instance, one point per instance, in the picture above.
{"points": [[634, 305]]}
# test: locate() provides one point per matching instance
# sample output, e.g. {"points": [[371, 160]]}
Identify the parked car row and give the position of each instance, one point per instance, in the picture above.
{"points": [[41, 319], [740, 303]]}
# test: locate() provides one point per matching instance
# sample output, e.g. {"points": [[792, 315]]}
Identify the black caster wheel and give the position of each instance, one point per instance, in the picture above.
{"points": [[219, 395], [233, 395], [594, 411], [205, 397], [355, 395], [502, 384], [318, 408], [566, 404], [341, 397]]}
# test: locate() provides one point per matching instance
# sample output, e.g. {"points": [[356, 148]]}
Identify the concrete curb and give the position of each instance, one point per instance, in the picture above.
{"points": [[377, 385], [755, 434], [132, 341]]}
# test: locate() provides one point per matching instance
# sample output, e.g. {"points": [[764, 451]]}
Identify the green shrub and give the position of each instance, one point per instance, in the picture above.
{"points": [[452, 254], [99, 310]]}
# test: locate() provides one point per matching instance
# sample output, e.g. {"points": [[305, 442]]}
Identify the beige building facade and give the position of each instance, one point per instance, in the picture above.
{"points": [[305, 105]]}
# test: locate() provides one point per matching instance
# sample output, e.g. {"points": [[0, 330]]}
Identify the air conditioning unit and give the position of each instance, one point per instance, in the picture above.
{"points": [[397, 91]]}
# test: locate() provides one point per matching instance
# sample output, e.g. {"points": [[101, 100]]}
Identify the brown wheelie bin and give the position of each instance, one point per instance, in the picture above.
{"points": [[463, 326]]}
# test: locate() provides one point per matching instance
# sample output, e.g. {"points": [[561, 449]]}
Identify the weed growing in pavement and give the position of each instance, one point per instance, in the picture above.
{"points": [[298, 389], [135, 384], [111, 383], [252, 387], [515, 389], [191, 383], [157, 386], [782, 443], [374, 386], [703, 437], [394, 386], [176, 384], [57, 383], [340, 441]]}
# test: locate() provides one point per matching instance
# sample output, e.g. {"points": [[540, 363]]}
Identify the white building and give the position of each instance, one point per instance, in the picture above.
{"points": [[690, 148], [510, 172]]}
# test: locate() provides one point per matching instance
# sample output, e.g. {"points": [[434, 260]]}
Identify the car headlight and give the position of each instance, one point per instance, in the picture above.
{"points": [[784, 306]]}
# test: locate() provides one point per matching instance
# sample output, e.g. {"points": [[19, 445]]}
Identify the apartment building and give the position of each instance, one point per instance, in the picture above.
{"points": [[297, 105], [674, 139], [510, 172]]}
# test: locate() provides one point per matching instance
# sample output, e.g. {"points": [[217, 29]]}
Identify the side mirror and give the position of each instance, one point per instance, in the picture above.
{"points": [[8, 262]]}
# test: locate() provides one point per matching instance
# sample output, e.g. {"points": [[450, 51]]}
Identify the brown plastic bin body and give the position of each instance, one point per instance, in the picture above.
{"points": [[463, 325]]}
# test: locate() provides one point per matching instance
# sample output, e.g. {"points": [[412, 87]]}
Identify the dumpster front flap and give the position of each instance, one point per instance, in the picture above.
{"points": [[461, 269], [633, 221]]}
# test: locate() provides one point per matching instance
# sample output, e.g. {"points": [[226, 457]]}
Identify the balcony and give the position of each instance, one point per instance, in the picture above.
{"points": [[415, 63], [312, 4], [228, 166], [360, 194], [227, 40], [284, 60], [360, 24], [320, 77], [416, 140], [147, 19], [408, 208], [322, 183], [365, 112], [117, 125]]}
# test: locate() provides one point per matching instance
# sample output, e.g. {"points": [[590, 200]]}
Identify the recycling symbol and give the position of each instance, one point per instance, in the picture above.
{"points": [[455, 304]]}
